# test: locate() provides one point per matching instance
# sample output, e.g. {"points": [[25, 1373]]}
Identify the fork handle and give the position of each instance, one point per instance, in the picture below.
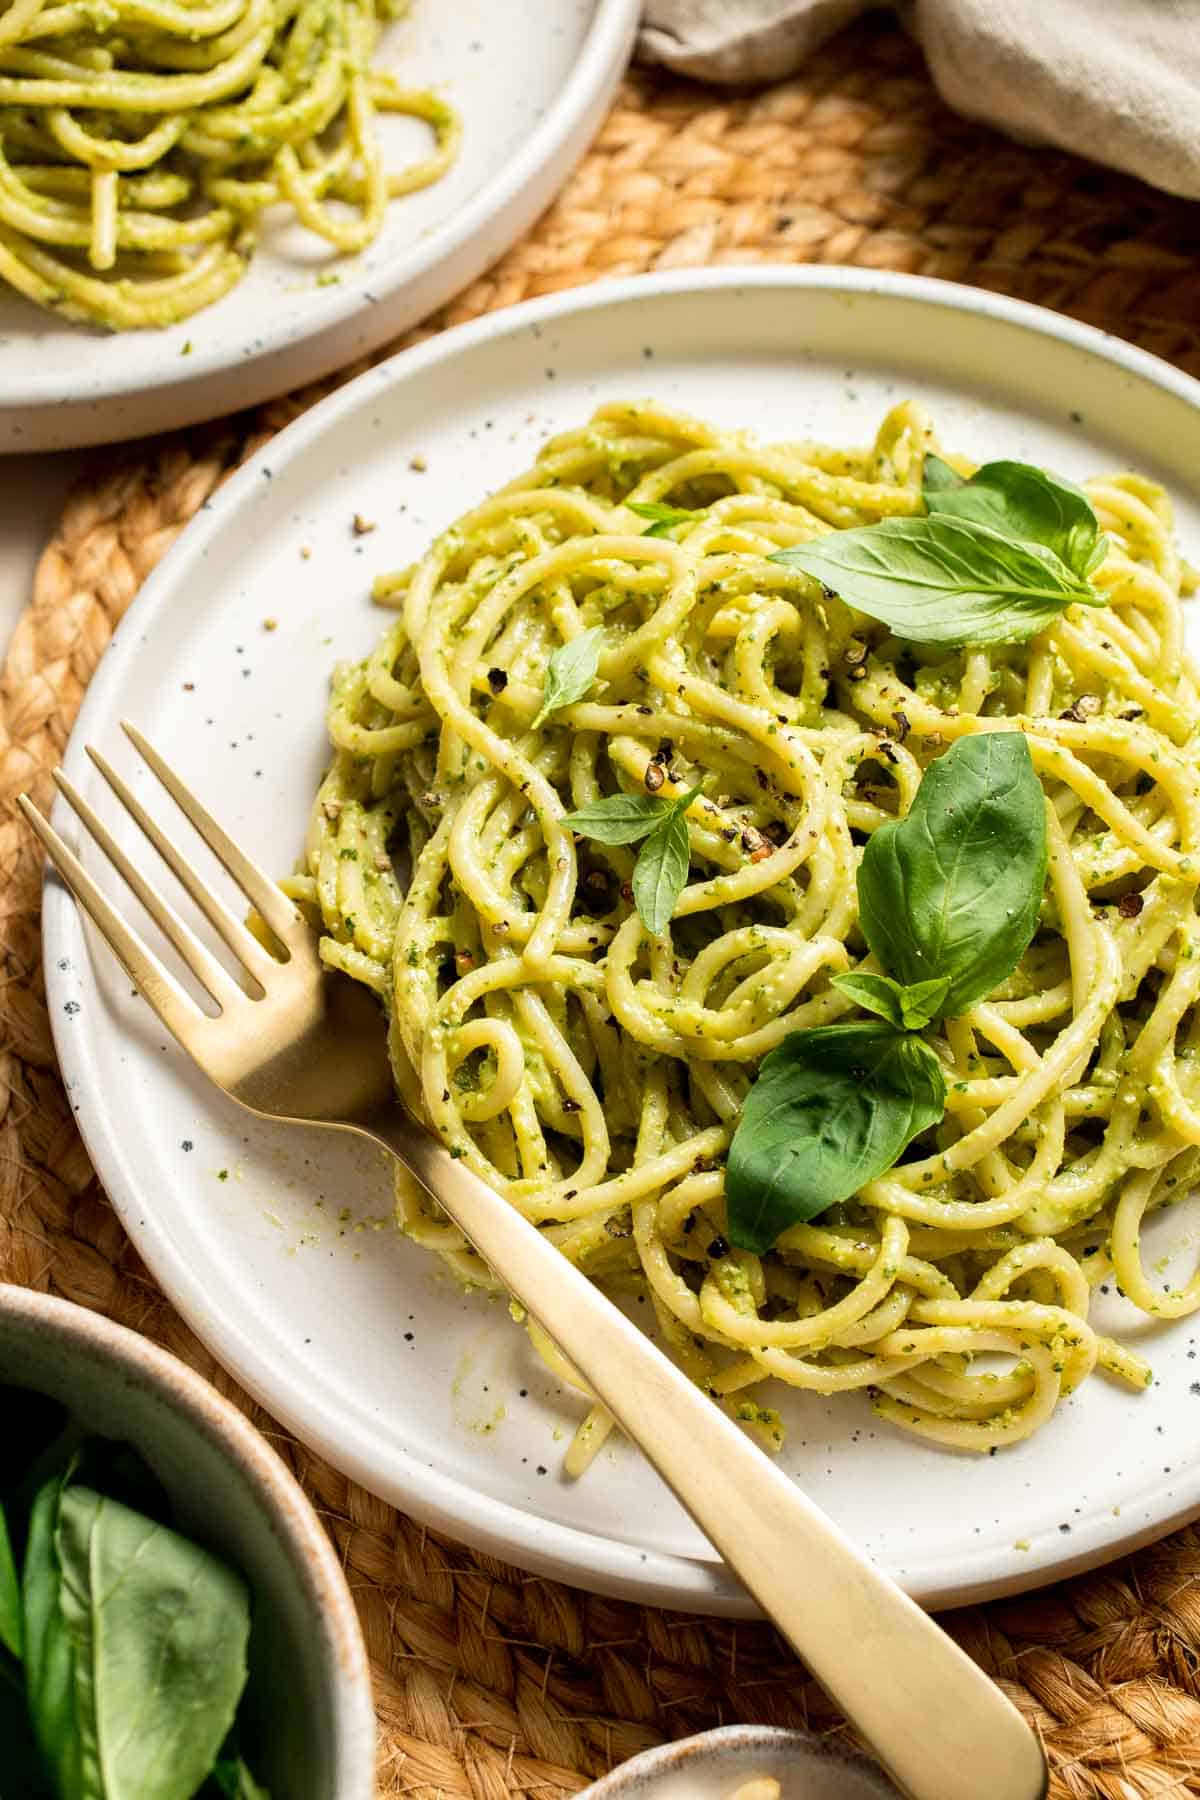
{"points": [[935, 1720]]}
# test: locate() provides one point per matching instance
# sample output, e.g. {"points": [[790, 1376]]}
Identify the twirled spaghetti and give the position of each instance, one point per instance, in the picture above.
{"points": [[594, 1074], [141, 140]]}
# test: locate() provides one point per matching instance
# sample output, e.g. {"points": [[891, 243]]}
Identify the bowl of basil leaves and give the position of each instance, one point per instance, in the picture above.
{"points": [[174, 1622]]}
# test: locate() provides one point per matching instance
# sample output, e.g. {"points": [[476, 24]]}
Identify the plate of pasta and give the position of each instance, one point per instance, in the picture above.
{"points": [[741, 726], [203, 206]]}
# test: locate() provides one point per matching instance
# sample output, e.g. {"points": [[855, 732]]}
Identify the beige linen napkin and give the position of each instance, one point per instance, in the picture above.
{"points": [[1115, 80]]}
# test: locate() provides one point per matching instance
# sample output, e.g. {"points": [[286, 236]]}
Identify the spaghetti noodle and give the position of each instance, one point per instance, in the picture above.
{"points": [[593, 1074], [142, 140]]}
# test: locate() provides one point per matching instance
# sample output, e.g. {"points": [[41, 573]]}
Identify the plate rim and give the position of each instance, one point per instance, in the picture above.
{"points": [[539, 168], [582, 1558]]}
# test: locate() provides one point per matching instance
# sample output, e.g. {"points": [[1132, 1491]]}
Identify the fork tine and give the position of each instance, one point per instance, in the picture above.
{"points": [[259, 889], [177, 1011], [245, 946], [205, 968]]}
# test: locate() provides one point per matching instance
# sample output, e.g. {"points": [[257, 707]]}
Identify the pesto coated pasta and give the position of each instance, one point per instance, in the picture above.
{"points": [[142, 140], [594, 1072]]}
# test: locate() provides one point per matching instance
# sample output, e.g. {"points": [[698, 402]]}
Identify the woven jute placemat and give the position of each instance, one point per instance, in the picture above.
{"points": [[489, 1682]]}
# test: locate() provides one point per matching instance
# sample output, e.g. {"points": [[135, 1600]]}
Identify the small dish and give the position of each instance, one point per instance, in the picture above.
{"points": [[716, 1764], [309, 1693]]}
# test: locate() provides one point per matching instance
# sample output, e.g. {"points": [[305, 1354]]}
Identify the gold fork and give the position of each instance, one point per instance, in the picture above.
{"points": [[310, 1047]]}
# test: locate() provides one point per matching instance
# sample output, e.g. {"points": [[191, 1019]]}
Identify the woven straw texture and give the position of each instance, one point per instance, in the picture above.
{"points": [[490, 1683]]}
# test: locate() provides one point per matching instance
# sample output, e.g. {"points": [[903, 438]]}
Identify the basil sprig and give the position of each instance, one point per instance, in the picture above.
{"points": [[831, 1109], [952, 891], [136, 1652], [908, 1005], [665, 517], [948, 902], [661, 870], [570, 672], [996, 559], [123, 1645]]}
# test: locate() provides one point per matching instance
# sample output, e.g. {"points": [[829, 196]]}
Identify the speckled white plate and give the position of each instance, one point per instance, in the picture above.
{"points": [[276, 1244], [531, 81]]}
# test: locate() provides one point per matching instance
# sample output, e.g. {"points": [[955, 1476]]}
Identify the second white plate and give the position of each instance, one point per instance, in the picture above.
{"points": [[277, 1245], [531, 83]]}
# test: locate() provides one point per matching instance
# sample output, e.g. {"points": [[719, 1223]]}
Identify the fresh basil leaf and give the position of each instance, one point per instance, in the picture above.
{"points": [[234, 1781], [831, 1109], [49, 1651], [1022, 502], [954, 889], [570, 671], [10, 1594], [943, 580], [661, 870], [660, 873], [158, 1629], [665, 517], [1099, 552], [937, 476], [620, 819], [909, 1008]]}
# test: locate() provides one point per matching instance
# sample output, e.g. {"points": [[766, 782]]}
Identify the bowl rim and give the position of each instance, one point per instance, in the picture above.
{"points": [[831, 1751], [289, 1510]]}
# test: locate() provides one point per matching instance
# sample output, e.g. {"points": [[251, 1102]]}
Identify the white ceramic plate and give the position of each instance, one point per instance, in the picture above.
{"points": [[531, 81], [274, 1243]]}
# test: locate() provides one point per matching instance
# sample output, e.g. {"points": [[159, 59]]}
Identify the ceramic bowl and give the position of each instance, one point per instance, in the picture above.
{"points": [[714, 1765], [310, 1721]]}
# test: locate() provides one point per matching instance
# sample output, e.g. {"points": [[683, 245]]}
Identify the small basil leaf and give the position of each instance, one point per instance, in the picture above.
{"points": [[943, 580], [620, 819], [831, 1110], [10, 1594], [1023, 502], [938, 477], [665, 517], [49, 1650], [570, 671], [661, 871], [909, 1008], [1099, 552], [159, 1628], [953, 890]]}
